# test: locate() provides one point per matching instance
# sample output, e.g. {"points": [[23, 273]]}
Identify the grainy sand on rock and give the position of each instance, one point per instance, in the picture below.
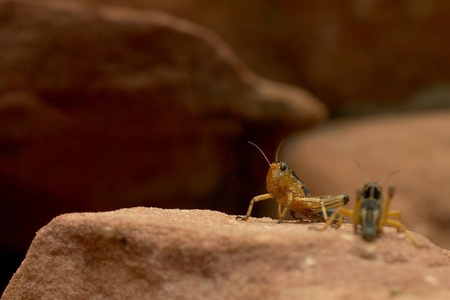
{"points": [[151, 253]]}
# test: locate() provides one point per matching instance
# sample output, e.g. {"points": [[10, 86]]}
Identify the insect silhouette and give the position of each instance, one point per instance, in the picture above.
{"points": [[288, 190], [371, 212]]}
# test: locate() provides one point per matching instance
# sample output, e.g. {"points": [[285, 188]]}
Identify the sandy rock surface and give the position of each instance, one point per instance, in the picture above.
{"points": [[150, 253], [417, 145]]}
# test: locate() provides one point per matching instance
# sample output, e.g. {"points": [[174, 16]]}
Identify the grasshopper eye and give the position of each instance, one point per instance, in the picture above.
{"points": [[376, 194], [283, 166], [367, 193]]}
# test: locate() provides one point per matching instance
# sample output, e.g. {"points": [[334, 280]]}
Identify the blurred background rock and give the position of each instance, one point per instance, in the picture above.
{"points": [[112, 104]]}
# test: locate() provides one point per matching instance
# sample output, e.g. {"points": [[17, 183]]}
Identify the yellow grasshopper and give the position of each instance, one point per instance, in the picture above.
{"points": [[371, 213], [288, 190]]}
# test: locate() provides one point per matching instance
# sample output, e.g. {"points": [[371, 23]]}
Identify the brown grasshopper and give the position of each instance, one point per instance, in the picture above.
{"points": [[371, 212], [288, 190]]}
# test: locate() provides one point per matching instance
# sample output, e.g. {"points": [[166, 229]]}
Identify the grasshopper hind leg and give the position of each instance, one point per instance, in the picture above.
{"points": [[303, 219], [292, 213], [329, 213]]}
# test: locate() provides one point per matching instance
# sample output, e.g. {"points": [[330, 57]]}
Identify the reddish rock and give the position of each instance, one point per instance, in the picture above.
{"points": [[150, 253], [107, 107], [355, 55], [417, 145]]}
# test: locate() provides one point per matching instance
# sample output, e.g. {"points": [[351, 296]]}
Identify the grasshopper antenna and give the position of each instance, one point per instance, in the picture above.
{"points": [[362, 171], [388, 175], [261, 152], [278, 150]]}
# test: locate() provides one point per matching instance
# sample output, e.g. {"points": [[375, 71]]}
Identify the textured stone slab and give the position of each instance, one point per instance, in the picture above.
{"points": [[150, 253], [355, 55]]}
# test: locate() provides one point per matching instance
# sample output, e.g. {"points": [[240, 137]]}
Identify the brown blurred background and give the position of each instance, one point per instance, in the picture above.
{"points": [[113, 104]]}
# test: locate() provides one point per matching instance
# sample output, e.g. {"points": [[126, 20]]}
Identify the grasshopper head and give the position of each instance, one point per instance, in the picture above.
{"points": [[280, 177], [372, 190], [277, 178]]}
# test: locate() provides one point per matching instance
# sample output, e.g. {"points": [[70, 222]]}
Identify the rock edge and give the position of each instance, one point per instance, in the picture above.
{"points": [[151, 253]]}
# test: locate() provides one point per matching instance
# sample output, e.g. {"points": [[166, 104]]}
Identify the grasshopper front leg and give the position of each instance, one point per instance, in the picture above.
{"points": [[281, 215], [250, 207], [356, 210], [385, 211]]}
